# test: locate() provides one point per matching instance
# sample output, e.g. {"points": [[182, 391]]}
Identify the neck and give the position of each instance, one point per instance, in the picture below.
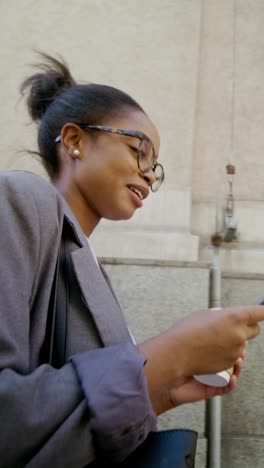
{"points": [[85, 216]]}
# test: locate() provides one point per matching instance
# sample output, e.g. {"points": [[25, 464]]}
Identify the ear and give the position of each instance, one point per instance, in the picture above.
{"points": [[71, 136]]}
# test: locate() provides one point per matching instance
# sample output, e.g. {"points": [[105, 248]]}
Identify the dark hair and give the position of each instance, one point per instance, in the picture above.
{"points": [[54, 98]]}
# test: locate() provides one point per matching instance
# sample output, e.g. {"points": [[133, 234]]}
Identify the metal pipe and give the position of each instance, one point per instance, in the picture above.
{"points": [[215, 299], [214, 404], [214, 432]]}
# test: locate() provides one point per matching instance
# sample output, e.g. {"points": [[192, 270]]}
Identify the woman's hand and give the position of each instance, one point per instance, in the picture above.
{"points": [[188, 390], [204, 342], [211, 340]]}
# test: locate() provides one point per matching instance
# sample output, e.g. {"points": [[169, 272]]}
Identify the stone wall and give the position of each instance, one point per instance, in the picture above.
{"points": [[153, 296], [196, 67], [243, 410]]}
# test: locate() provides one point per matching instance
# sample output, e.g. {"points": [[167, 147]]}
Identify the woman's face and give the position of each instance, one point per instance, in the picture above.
{"points": [[105, 180]]}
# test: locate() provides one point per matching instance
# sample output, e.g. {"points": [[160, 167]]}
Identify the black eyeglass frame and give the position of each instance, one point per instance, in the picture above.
{"points": [[135, 134]]}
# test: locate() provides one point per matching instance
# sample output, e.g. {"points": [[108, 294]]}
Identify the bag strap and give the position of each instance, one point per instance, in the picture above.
{"points": [[53, 351]]}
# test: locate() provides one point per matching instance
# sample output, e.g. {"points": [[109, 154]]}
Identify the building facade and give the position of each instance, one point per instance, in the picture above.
{"points": [[197, 68]]}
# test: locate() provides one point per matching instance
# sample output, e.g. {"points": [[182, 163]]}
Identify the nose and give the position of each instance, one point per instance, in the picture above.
{"points": [[149, 176]]}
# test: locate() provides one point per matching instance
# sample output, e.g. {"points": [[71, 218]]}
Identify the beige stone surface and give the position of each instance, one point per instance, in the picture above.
{"points": [[229, 125], [243, 410], [246, 403], [238, 258], [230, 80], [239, 452], [138, 46], [153, 298], [200, 458], [196, 67]]}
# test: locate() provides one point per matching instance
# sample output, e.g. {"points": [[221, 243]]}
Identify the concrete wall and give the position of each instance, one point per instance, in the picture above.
{"points": [[147, 48], [153, 297], [243, 410], [196, 67], [229, 128]]}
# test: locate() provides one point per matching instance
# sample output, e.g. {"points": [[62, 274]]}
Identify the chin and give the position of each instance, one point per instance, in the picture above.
{"points": [[121, 216]]}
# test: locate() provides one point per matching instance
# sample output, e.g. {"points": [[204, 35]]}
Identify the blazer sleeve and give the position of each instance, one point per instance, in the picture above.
{"points": [[97, 402]]}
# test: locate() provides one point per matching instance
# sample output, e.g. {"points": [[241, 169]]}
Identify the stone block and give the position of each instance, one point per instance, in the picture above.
{"points": [[240, 452], [243, 409], [153, 298]]}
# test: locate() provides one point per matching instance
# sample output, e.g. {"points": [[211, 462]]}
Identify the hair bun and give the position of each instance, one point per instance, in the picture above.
{"points": [[44, 86]]}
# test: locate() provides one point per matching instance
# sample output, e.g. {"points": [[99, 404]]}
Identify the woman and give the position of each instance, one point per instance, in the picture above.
{"points": [[100, 394]]}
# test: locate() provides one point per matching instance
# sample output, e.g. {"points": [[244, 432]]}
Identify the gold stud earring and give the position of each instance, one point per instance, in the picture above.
{"points": [[76, 152]]}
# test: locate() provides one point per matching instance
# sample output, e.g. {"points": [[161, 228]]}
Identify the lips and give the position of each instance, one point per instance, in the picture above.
{"points": [[140, 191]]}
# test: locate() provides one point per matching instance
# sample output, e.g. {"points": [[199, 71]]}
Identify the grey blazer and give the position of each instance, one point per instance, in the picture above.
{"points": [[61, 417]]}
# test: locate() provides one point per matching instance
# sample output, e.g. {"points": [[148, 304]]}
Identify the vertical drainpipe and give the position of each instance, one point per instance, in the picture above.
{"points": [[214, 404]]}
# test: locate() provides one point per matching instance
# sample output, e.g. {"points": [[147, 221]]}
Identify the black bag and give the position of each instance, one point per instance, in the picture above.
{"points": [[174, 448]]}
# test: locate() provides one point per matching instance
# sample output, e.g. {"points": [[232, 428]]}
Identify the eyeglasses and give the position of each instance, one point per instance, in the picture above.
{"points": [[146, 157]]}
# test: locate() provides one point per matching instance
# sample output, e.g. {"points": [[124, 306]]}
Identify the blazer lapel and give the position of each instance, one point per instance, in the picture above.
{"points": [[99, 298], [96, 291]]}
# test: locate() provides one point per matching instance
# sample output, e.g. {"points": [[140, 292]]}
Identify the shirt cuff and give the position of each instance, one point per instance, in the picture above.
{"points": [[115, 387]]}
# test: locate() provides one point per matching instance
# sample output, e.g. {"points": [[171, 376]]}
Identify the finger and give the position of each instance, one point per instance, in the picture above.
{"points": [[223, 390], [232, 384], [250, 314], [254, 314], [238, 366], [253, 331]]}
